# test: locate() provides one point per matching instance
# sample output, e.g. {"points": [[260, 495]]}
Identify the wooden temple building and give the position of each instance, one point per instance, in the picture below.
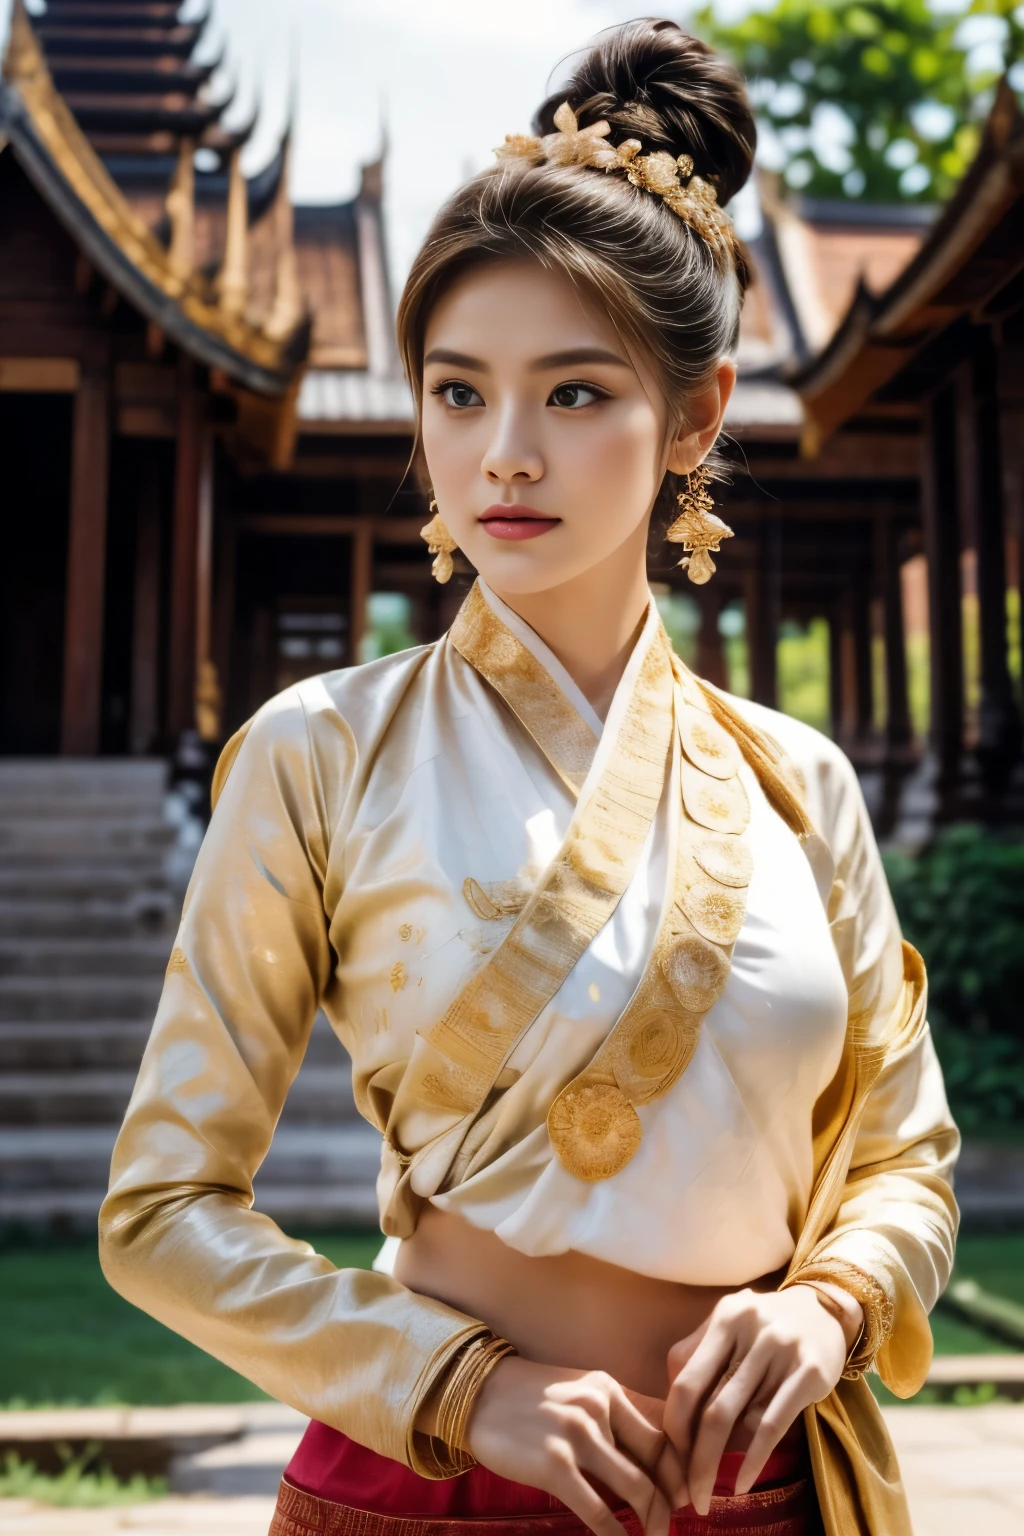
{"points": [[175, 535], [933, 362], [205, 435]]}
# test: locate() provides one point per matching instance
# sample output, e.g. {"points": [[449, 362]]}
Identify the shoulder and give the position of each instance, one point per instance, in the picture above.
{"points": [[832, 791], [333, 719]]}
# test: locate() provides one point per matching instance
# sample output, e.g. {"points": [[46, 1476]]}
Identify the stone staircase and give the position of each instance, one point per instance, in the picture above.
{"points": [[94, 858]]}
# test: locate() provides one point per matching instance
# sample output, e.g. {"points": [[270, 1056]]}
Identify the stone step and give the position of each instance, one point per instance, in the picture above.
{"points": [[78, 1156], [122, 880], [141, 913], [141, 863], [99, 1096], [78, 779], [313, 1174], [41, 1047], [100, 837], [293, 1208], [129, 955], [23, 998]]}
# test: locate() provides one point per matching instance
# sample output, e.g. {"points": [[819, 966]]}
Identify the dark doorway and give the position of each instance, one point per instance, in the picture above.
{"points": [[35, 451], [291, 615]]}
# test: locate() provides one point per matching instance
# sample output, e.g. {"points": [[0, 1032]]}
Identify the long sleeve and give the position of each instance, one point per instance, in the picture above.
{"points": [[891, 1238], [178, 1235]]}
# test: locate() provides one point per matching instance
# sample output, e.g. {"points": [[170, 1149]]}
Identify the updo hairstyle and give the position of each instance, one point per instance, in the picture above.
{"points": [[665, 290]]}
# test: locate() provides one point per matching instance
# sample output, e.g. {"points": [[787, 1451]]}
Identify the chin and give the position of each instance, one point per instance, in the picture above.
{"points": [[522, 575]]}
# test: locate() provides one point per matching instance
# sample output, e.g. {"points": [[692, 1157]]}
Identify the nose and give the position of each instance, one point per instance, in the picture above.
{"points": [[511, 455]]}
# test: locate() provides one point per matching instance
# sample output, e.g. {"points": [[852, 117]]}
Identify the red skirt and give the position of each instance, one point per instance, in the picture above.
{"points": [[334, 1487]]}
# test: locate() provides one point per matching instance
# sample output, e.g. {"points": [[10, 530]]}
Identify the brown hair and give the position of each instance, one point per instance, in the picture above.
{"points": [[664, 288]]}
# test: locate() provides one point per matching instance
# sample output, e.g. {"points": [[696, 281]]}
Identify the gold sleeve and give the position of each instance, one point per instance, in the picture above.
{"points": [[177, 1233], [892, 1231]]}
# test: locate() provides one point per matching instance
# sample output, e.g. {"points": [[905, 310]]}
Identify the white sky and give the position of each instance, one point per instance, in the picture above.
{"points": [[449, 77]]}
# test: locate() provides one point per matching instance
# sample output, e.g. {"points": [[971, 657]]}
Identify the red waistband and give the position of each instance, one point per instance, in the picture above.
{"points": [[329, 1466]]}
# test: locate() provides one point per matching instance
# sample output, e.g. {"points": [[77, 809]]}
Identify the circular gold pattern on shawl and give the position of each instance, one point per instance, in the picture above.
{"points": [[707, 745], [649, 1056], [594, 1130], [716, 914], [725, 859], [651, 1048], [721, 805], [696, 971]]}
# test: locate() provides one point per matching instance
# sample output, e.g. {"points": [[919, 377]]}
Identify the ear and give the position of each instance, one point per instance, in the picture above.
{"points": [[705, 413]]}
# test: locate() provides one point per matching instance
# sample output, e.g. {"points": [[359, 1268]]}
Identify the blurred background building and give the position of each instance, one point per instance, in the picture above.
{"points": [[205, 496]]}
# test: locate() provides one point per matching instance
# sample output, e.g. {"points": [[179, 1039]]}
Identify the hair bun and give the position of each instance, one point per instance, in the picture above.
{"points": [[654, 82]]}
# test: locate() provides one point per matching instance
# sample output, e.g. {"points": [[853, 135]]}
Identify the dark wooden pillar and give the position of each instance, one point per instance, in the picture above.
{"points": [[86, 568], [184, 553], [764, 609], [360, 585], [945, 624], [888, 577], [835, 672], [999, 725], [223, 625], [863, 678], [710, 651], [145, 706]]}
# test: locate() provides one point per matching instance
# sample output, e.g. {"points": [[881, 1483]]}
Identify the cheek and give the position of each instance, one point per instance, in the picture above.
{"points": [[619, 460], [451, 449]]}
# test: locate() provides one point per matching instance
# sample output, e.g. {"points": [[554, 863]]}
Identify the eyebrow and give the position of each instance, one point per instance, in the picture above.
{"points": [[574, 357]]}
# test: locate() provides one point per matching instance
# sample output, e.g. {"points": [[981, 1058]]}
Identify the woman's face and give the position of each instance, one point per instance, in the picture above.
{"points": [[545, 443]]}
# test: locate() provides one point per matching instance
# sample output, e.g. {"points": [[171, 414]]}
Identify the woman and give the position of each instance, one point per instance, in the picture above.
{"points": [[666, 1151]]}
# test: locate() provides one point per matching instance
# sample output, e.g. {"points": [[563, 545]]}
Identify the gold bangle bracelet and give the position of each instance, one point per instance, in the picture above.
{"points": [[879, 1313], [462, 1388]]}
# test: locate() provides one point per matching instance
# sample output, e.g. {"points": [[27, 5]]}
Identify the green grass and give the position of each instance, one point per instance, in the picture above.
{"points": [[67, 1339], [995, 1260], [75, 1485]]}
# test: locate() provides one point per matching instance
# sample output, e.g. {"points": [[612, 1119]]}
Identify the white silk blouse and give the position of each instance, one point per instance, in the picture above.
{"points": [[728, 1150], [634, 988]]}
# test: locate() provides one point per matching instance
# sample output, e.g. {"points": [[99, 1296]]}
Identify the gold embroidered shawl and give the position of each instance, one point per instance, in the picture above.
{"points": [[270, 922]]}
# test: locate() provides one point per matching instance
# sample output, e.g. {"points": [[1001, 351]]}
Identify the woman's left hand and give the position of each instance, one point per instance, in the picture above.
{"points": [[757, 1362]]}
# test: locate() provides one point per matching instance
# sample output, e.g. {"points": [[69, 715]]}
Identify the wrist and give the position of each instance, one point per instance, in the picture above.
{"points": [[445, 1412], [839, 1304]]}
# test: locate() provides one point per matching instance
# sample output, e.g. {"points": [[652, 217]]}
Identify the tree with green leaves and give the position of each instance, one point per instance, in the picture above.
{"points": [[872, 99]]}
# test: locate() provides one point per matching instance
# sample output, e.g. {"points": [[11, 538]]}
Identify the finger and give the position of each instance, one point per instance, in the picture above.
{"points": [[634, 1430], [623, 1477], [585, 1502], [779, 1415], [670, 1478], [636, 1424], [693, 1384], [719, 1415]]}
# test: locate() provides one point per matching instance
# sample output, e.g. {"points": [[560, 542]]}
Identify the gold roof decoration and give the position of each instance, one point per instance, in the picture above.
{"points": [[246, 352]]}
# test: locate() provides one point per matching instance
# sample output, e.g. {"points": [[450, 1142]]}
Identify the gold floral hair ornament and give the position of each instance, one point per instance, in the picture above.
{"points": [[669, 177]]}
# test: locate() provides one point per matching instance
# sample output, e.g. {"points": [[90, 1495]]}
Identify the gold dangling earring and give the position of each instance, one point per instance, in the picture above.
{"points": [[440, 543], [697, 528]]}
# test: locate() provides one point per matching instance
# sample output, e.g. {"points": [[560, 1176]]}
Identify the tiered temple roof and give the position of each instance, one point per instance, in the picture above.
{"points": [[126, 70], [106, 108]]}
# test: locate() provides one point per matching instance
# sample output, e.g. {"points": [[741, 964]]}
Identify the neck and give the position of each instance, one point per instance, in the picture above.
{"points": [[591, 622]]}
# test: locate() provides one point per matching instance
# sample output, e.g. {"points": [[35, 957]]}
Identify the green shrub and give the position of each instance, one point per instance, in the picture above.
{"points": [[961, 903]]}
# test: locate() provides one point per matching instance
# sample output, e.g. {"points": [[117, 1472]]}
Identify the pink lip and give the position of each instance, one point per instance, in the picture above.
{"points": [[516, 522]]}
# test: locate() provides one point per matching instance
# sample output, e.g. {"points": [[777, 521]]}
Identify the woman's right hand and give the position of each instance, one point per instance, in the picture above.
{"points": [[556, 1429]]}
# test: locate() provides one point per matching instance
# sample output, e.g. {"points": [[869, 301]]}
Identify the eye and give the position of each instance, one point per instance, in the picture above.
{"points": [[457, 395], [572, 396]]}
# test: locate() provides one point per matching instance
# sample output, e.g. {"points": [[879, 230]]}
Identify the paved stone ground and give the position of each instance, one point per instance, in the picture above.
{"points": [[963, 1467]]}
